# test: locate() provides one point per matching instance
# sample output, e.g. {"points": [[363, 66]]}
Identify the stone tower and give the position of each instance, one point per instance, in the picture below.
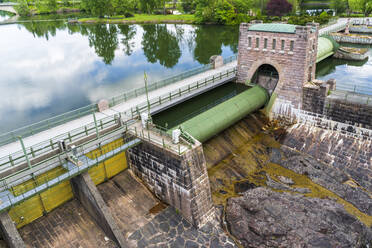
{"points": [[289, 51]]}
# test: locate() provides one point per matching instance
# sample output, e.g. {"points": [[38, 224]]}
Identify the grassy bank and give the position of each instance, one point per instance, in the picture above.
{"points": [[142, 18]]}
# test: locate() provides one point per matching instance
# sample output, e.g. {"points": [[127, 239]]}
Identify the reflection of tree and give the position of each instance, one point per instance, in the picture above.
{"points": [[128, 31], [104, 39], [161, 45], [44, 29], [209, 41], [329, 65]]}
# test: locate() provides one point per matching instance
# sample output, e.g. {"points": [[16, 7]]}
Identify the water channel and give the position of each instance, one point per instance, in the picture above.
{"points": [[49, 68]]}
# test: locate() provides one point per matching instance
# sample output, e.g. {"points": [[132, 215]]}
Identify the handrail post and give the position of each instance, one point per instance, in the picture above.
{"points": [[95, 124], [25, 152]]}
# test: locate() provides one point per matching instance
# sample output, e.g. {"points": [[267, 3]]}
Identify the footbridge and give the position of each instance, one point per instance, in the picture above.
{"points": [[46, 164], [9, 7]]}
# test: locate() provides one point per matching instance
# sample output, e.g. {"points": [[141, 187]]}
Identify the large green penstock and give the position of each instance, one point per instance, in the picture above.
{"points": [[211, 122]]}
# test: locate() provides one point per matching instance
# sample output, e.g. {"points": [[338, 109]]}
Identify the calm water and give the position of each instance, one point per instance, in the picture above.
{"points": [[347, 72], [49, 68], [4, 15]]}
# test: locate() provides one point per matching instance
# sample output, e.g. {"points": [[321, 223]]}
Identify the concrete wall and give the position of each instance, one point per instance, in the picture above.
{"points": [[9, 232], [294, 67], [88, 195], [341, 38], [179, 180], [350, 108]]}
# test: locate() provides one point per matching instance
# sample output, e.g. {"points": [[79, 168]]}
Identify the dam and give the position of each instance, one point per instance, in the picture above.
{"points": [[275, 62]]}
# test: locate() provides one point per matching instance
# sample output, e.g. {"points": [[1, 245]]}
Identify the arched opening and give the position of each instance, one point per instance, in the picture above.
{"points": [[266, 76]]}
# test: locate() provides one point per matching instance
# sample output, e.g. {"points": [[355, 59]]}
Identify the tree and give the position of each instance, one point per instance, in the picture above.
{"points": [[365, 6], [98, 8], [51, 5], [188, 5], [148, 6], [278, 7], [339, 6], [123, 7], [22, 8]]}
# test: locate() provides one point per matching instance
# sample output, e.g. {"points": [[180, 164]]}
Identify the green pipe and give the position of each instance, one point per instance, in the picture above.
{"points": [[211, 122]]}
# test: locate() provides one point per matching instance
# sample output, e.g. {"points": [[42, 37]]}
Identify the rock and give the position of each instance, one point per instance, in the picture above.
{"points": [[264, 218], [285, 180], [325, 175]]}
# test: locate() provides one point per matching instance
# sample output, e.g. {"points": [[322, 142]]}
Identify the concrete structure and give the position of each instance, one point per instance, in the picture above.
{"points": [[91, 199], [291, 50], [9, 232], [8, 8]]}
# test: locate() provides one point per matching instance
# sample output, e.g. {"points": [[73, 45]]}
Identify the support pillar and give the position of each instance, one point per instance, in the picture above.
{"points": [[89, 196], [179, 180], [9, 232]]}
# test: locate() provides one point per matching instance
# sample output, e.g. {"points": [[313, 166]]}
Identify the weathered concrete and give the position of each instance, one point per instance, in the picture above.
{"points": [[179, 180], [87, 193], [216, 61], [351, 54], [67, 226], [9, 232]]}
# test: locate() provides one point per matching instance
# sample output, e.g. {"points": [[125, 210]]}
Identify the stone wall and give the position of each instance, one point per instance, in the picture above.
{"points": [[353, 39], [179, 180], [345, 107], [350, 108], [294, 66], [314, 95], [349, 153]]}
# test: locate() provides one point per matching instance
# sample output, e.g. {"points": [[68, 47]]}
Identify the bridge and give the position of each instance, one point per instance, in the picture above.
{"points": [[100, 140], [9, 7]]}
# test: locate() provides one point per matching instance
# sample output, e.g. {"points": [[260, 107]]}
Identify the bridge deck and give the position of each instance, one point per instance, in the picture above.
{"points": [[123, 107]]}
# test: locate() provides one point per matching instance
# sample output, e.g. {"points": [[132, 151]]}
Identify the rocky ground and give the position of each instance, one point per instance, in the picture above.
{"points": [[169, 229], [264, 218], [276, 196]]}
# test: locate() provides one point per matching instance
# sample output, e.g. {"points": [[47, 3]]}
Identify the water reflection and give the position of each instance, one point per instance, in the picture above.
{"points": [[4, 15], [51, 67], [347, 72]]}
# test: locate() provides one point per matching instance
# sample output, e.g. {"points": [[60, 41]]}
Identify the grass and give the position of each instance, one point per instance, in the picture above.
{"points": [[142, 18]]}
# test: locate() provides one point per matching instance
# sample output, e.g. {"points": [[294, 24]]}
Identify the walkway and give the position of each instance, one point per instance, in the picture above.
{"points": [[35, 139]]}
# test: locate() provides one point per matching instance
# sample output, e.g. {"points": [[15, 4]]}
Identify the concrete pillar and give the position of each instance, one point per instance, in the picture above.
{"points": [[216, 61], [103, 105], [179, 180], [88, 195], [9, 232]]}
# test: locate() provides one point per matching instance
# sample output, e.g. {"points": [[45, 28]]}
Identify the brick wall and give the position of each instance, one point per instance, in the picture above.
{"points": [[294, 67]]}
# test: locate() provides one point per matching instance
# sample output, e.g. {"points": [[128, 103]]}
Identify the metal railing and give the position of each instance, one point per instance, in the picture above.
{"points": [[359, 89], [43, 125], [40, 126], [91, 129]]}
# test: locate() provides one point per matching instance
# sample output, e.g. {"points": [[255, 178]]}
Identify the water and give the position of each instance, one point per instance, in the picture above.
{"points": [[49, 68], [190, 108], [348, 73], [4, 15]]}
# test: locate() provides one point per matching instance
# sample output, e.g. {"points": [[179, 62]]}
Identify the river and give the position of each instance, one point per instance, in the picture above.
{"points": [[49, 68]]}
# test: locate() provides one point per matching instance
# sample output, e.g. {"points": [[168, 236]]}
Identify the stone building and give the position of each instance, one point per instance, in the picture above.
{"points": [[279, 57]]}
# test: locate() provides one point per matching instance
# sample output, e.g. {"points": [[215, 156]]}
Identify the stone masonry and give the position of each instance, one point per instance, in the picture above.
{"points": [[179, 180], [294, 66]]}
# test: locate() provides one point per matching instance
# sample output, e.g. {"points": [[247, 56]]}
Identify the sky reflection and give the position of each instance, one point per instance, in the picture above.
{"points": [[48, 70]]}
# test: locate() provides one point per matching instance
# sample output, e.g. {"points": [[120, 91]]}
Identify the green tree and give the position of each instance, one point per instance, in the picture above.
{"points": [[51, 5], [188, 5], [123, 7], [22, 8], [98, 8], [339, 6], [148, 6]]}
